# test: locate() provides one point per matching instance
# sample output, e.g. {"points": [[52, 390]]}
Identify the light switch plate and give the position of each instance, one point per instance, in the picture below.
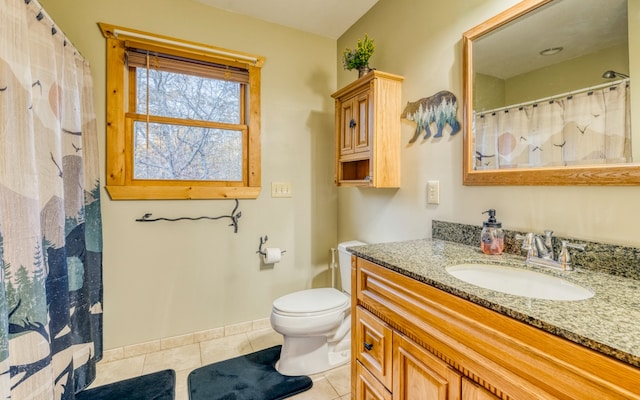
{"points": [[281, 189], [433, 192]]}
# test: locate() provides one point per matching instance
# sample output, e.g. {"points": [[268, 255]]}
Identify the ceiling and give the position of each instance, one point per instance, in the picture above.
{"points": [[330, 18]]}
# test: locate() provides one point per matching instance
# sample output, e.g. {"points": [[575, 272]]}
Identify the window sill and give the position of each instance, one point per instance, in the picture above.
{"points": [[148, 192]]}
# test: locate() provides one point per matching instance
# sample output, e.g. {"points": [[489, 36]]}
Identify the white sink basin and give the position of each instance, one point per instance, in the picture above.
{"points": [[519, 282]]}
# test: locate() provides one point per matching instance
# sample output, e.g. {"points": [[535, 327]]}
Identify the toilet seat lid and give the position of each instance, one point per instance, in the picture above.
{"points": [[311, 301]]}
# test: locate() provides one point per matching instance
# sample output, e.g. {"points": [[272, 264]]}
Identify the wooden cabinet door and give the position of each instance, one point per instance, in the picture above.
{"points": [[368, 387], [419, 375], [373, 345], [363, 119], [347, 124], [471, 391], [355, 124]]}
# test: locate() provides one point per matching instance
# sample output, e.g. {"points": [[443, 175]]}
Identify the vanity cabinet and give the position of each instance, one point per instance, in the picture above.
{"points": [[471, 391], [389, 362], [418, 374], [445, 347], [368, 131]]}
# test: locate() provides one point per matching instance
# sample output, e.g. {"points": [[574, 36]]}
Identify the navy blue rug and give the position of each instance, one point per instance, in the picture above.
{"points": [[249, 377], [155, 386]]}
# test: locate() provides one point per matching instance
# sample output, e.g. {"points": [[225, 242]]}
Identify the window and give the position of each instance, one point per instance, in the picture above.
{"points": [[183, 119]]}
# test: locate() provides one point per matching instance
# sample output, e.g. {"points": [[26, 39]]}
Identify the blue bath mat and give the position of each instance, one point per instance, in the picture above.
{"points": [[155, 386], [249, 377]]}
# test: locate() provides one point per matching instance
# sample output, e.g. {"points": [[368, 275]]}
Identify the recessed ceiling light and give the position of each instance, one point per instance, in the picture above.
{"points": [[551, 51]]}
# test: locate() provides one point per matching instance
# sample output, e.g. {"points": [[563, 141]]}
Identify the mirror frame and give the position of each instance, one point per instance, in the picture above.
{"points": [[612, 174]]}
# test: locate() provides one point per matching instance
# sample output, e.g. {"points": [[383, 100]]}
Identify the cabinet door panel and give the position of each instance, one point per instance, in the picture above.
{"points": [[419, 375], [368, 387], [346, 130], [373, 345], [362, 128], [471, 391]]}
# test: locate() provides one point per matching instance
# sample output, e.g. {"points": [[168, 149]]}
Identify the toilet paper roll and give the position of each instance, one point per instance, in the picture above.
{"points": [[273, 255]]}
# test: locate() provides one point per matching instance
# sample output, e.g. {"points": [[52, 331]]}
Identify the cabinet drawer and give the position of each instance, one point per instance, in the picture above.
{"points": [[368, 387], [373, 345]]}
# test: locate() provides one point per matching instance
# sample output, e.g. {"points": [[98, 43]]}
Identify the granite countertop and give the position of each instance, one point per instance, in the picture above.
{"points": [[608, 322]]}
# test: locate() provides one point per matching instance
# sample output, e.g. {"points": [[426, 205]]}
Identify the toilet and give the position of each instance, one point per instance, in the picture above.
{"points": [[316, 324]]}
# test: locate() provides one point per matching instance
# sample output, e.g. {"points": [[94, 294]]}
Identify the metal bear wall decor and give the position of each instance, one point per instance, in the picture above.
{"points": [[439, 109]]}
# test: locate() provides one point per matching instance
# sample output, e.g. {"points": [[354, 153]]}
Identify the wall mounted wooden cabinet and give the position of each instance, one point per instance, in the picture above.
{"points": [[447, 348], [368, 131]]}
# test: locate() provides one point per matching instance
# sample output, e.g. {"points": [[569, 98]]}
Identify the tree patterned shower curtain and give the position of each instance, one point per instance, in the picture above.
{"points": [[50, 222], [589, 127]]}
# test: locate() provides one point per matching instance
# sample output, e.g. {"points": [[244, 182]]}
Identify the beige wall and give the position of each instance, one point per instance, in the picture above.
{"points": [[574, 74], [634, 63], [422, 41], [165, 279], [578, 73], [488, 92]]}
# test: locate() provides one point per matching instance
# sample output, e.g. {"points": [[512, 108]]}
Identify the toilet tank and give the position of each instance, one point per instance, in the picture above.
{"points": [[344, 259]]}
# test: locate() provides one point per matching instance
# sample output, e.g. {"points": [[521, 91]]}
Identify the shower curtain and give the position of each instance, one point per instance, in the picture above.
{"points": [[50, 222], [588, 127]]}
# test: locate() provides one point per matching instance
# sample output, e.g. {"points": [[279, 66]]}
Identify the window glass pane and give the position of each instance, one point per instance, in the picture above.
{"points": [[188, 96], [176, 152]]}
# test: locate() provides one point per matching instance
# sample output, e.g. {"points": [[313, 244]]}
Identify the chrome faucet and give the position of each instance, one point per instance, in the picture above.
{"points": [[540, 251]]}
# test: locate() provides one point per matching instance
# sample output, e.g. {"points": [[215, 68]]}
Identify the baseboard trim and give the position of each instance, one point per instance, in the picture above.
{"points": [[137, 349]]}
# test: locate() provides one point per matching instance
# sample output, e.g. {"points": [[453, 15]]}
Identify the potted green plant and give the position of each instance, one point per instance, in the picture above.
{"points": [[358, 58]]}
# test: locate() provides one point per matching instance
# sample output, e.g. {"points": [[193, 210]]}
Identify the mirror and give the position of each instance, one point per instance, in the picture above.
{"points": [[507, 71]]}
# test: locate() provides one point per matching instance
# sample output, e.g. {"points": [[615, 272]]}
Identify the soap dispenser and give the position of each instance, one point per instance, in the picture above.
{"points": [[492, 237]]}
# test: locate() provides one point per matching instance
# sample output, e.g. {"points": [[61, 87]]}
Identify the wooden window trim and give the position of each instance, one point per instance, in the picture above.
{"points": [[119, 173]]}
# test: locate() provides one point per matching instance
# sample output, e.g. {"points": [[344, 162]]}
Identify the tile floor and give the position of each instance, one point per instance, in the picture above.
{"points": [[183, 358]]}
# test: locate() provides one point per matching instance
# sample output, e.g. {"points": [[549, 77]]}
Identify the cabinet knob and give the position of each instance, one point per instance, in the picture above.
{"points": [[368, 346], [352, 123]]}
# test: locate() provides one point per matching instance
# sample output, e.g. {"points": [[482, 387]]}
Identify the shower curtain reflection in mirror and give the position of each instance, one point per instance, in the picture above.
{"points": [[579, 128], [50, 219]]}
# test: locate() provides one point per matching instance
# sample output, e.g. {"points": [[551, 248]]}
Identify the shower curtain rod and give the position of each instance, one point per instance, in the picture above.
{"points": [[42, 16], [554, 97]]}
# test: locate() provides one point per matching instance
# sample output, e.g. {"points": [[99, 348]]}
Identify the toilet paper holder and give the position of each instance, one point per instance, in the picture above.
{"points": [[262, 242]]}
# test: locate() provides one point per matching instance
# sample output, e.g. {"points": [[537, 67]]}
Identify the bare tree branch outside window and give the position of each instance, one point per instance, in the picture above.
{"points": [[183, 151]]}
